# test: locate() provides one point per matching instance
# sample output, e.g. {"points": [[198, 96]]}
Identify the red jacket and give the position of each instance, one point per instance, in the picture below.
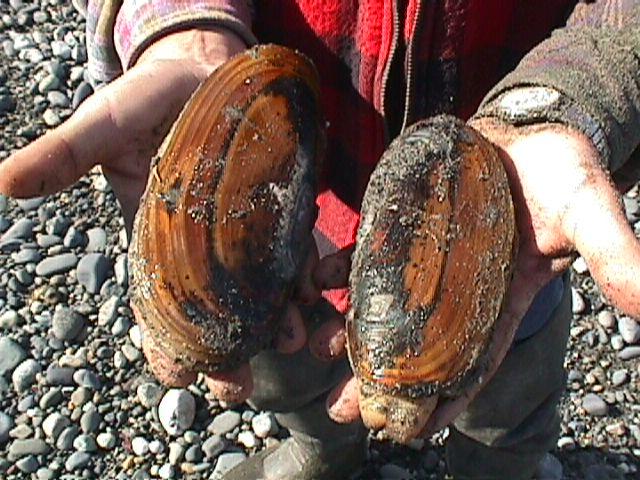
{"points": [[388, 63]]}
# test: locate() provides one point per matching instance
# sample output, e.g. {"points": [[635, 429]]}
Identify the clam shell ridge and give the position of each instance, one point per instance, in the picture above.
{"points": [[433, 262], [225, 222]]}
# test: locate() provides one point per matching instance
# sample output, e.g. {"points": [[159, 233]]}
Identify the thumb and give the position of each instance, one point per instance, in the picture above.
{"points": [[596, 223]]}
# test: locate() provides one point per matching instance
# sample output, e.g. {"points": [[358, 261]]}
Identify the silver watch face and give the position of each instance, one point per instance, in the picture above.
{"points": [[527, 100]]}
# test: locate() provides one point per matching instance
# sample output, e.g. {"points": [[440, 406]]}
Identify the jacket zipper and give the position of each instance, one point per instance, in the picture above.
{"points": [[387, 68], [408, 98]]}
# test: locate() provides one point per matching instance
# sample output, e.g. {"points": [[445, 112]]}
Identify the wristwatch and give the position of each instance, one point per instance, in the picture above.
{"points": [[528, 105]]}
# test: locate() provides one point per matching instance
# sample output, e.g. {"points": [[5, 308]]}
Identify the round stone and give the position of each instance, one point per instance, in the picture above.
{"points": [[225, 422], [213, 446], [24, 374], [66, 323], [140, 446], [54, 424], [607, 319], [629, 329], [92, 271], [6, 424], [85, 443], [176, 411], [264, 425], [106, 440], [226, 462], [149, 394], [77, 460], [11, 354], [56, 264], [619, 377], [594, 405]]}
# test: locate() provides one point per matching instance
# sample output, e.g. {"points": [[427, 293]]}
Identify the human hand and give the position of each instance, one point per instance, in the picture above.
{"points": [[120, 128], [565, 204]]}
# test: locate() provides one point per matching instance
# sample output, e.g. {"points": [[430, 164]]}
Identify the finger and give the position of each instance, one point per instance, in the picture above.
{"points": [[329, 341], [597, 225], [307, 292], [292, 333], [332, 271], [342, 402], [63, 155], [233, 386], [164, 368]]}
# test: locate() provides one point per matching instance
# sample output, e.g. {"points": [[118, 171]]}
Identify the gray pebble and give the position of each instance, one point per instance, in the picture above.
{"points": [[96, 240], [50, 399], [45, 473], [213, 446], [62, 376], [66, 323], [26, 255], [92, 271], [9, 319], [193, 454], [30, 204], [131, 353], [619, 377], [31, 446], [61, 50], [54, 425], [7, 104], [392, 471], [594, 405], [629, 329], [149, 394], [28, 464], [90, 420], [87, 378], [85, 443], [48, 83], [108, 311], [225, 422], [21, 229], [6, 424], [57, 99], [629, 353], [11, 354], [607, 319], [120, 327], [226, 462], [578, 304], [166, 471], [58, 225], [176, 453], [46, 240], [51, 118], [4, 224], [121, 270], [57, 264], [73, 238], [77, 460], [617, 342], [24, 374], [82, 91], [21, 431], [66, 438]]}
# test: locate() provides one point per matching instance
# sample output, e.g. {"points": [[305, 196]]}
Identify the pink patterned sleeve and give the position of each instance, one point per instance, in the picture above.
{"points": [[118, 31]]}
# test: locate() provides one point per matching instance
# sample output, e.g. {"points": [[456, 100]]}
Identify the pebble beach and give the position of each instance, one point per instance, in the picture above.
{"points": [[77, 400]]}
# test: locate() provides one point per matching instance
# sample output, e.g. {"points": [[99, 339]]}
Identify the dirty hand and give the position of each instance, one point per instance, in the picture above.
{"points": [[565, 204], [120, 127]]}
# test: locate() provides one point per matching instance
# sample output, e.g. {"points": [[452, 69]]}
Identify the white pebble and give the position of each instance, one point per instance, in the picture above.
{"points": [[106, 440], [166, 471], [578, 303], [580, 265], [156, 447], [177, 410], [135, 334], [248, 439], [264, 425], [140, 446]]}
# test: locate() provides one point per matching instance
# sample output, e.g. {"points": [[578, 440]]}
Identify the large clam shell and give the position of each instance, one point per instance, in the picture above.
{"points": [[225, 223], [430, 272]]}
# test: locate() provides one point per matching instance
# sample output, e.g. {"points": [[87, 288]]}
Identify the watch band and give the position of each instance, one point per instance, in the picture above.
{"points": [[537, 104]]}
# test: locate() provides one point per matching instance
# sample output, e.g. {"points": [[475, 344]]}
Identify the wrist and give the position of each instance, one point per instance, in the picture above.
{"points": [[203, 49]]}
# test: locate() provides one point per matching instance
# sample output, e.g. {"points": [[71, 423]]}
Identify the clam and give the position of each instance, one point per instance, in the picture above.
{"points": [[225, 223], [431, 269]]}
